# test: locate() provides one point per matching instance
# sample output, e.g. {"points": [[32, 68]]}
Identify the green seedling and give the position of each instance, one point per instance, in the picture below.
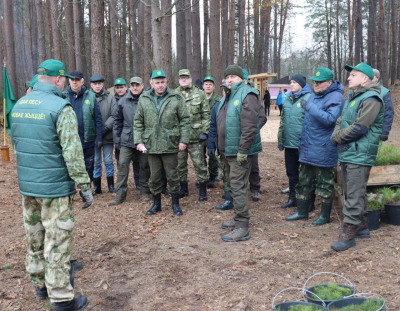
{"points": [[331, 292], [367, 305], [387, 155]]}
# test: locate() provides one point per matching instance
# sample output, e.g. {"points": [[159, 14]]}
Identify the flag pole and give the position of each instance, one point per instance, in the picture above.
{"points": [[4, 109], [5, 150]]}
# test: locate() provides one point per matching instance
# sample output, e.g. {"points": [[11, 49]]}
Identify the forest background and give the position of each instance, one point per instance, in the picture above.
{"points": [[125, 38]]}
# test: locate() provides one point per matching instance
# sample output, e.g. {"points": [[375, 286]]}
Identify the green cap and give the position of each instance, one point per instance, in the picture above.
{"points": [[245, 74], [209, 78], [364, 68], [54, 68], [158, 74], [323, 74], [184, 72], [33, 81], [120, 81]]}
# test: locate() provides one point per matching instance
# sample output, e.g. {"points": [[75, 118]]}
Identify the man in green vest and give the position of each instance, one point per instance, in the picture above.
{"points": [[389, 108], [213, 98], [161, 128], [238, 139], [49, 162], [199, 111], [356, 135]]}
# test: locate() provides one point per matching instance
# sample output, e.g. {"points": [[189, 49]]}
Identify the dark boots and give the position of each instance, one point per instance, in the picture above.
{"points": [[110, 183], [291, 202], [347, 238], [203, 191], [41, 293], [302, 211], [311, 207], [156, 207], [325, 216], [211, 181], [184, 192], [97, 186], [75, 304], [228, 204], [175, 204], [164, 189], [362, 230]]}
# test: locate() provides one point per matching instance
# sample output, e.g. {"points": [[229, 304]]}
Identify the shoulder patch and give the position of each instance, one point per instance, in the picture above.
{"points": [[178, 96]]}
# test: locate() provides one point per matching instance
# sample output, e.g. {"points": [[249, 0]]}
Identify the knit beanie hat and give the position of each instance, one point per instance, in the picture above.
{"points": [[300, 79], [234, 70]]}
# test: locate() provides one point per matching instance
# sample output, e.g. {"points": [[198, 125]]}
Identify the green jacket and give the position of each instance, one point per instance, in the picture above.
{"points": [[363, 151], [161, 132], [199, 111], [44, 145], [214, 99], [239, 91]]}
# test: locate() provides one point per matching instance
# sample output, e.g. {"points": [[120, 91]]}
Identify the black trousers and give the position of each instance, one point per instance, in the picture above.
{"points": [[280, 109], [267, 109], [88, 155], [292, 169], [254, 177]]}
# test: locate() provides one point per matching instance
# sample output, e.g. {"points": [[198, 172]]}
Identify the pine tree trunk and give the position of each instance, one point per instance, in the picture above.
{"points": [[231, 31], [8, 18], [2, 52], [358, 35], [242, 9], [350, 22], [383, 64], [49, 29], [136, 51], [141, 38], [196, 60], [156, 32], [34, 36], [97, 38], [132, 26], [147, 41], [257, 36], [41, 31], [166, 33], [28, 40], [204, 70], [55, 30], [69, 29], [394, 43], [180, 36], [215, 50], [123, 59], [225, 21], [398, 41], [276, 39], [188, 41], [339, 61], [113, 32]]}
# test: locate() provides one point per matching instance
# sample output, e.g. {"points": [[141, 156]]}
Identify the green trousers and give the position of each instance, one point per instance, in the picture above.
{"points": [[49, 224], [170, 162], [196, 151]]}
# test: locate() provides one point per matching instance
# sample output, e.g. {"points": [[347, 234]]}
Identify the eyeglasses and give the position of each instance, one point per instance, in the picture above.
{"points": [[319, 82], [184, 78]]}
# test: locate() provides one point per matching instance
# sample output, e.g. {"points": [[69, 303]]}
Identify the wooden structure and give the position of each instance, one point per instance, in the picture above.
{"points": [[261, 81]]}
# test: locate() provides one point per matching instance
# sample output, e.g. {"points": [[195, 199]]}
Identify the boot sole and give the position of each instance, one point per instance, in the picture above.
{"points": [[321, 224], [116, 203], [84, 306], [339, 249], [305, 218], [245, 238]]}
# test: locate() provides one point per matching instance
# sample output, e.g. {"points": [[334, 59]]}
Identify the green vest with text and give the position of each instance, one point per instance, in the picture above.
{"points": [[239, 92], [363, 151], [42, 171]]}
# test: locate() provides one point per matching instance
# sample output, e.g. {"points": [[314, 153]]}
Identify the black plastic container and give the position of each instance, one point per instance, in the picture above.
{"points": [[285, 305], [393, 214], [374, 219], [341, 303], [319, 302]]}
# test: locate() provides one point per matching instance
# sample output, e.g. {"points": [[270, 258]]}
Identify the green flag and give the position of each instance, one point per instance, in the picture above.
{"points": [[9, 99]]}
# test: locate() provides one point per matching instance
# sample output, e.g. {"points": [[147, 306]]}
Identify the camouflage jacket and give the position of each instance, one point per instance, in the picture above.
{"points": [[199, 111], [161, 132], [215, 98]]}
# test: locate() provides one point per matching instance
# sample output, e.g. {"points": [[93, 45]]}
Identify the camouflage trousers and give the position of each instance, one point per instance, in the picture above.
{"points": [[49, 224], [324, 177], [196, 151]]}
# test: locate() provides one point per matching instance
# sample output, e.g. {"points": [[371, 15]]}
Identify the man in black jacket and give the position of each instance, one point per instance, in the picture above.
{"points": [[123, 128]]}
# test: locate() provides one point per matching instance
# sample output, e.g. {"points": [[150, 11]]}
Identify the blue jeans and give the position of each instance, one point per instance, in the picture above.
{"points": [[108, 160]]}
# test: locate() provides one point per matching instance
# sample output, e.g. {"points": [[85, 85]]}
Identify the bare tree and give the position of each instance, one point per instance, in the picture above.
{"points": [[394, 43], [257, 36], [224, 39], [134, 28], [383, 56], [188, 30], [97, 38], [196, 58], [69, 29], [141, 37], [371, 46], [358, 35], [180, 36], [8, 18], [28, 40], [147, 41], [113, 33], [156, 32], [242, 21], [205, 39], [267, 6], [166, 42], [231, 32], [55, 30], [215, 50], [41, 31]]}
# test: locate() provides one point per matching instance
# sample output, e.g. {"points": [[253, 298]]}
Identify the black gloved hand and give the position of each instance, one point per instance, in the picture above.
{"points": [[384, 137], [333, 142], [343, 147], [280, 147], [210, 152], [304, 103], [98, 144], [105, 129], [203, 137], [117, 146]]}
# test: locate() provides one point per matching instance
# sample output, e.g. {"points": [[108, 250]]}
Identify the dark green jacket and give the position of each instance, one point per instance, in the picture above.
{"points": [[162, 131], [215, 98], [42, 171], [362, 151], [233, 134]]}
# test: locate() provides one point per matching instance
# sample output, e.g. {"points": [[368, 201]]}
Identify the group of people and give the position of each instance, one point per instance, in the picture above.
{"points": [[61, 138], [319, 128]]}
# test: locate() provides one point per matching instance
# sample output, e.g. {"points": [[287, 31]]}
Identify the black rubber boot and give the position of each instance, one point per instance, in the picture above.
{"points": [[75, 304], [77, 265], [302, 211], [228, 203], [211, 181], [184, 192], [291, 202], [110, 183], [203, 191], [97, 185], [156, 207], [325, 216], [41, 293], [82, 197], [175, 204], [311, 207]]}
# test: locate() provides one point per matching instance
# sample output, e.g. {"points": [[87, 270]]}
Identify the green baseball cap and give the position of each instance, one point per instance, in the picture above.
{"points": [[184, 72], [209, 78], [245, 74], [323, 74], [364, 68], [158, 74], [53, 68], [120, 81], [33, 81]]}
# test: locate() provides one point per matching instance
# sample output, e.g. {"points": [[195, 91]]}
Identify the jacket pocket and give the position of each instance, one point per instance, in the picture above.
{"points": [[196, 130], [126, 136], [195, 105]]}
